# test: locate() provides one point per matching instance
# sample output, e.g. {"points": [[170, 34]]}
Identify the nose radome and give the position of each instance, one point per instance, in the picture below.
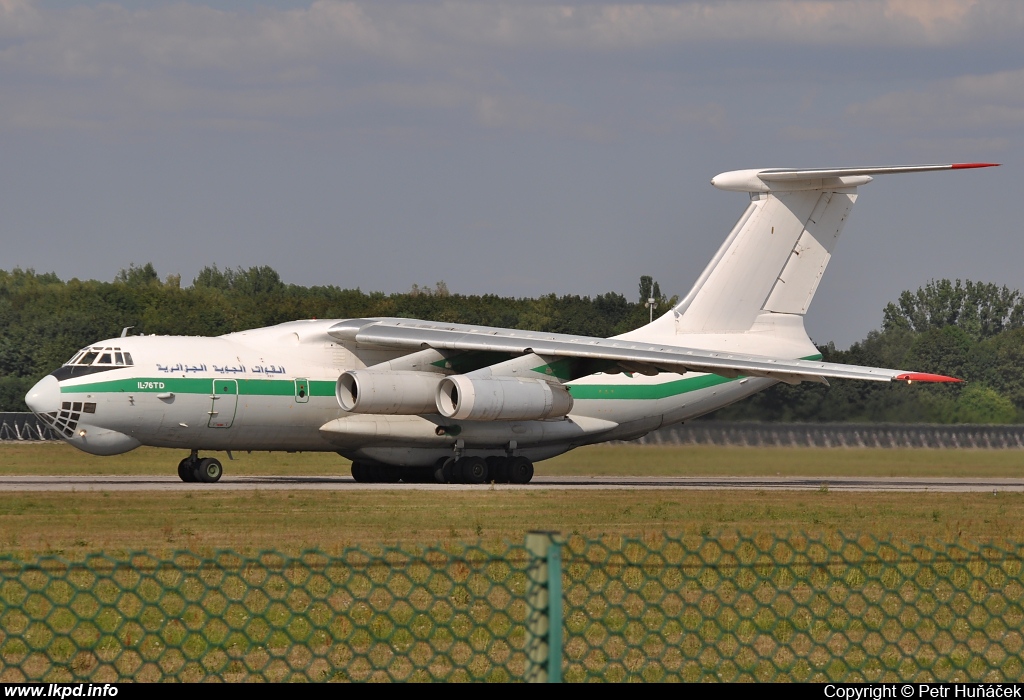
{"points": [[44, 397]]}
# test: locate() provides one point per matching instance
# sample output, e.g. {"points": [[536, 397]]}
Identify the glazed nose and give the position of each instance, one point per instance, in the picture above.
{"points": [[44, 397]]}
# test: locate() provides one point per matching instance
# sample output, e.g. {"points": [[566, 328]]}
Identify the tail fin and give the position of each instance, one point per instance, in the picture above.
{"points": [[775, 256]]}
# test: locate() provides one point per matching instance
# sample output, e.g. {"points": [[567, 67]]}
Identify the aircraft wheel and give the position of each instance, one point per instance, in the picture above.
{"points": [[417, 475], [187, 470], [388, 474], [209, 471], [474, 470], [520, 470], [444, 470], [497, 470], [359, 473]]}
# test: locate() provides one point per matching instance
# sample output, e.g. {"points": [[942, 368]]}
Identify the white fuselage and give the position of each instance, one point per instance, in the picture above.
{"points": [[274, 389]]}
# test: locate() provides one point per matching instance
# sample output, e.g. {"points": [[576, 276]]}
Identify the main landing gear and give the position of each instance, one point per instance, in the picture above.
{"points": [[477, 470], [192, 469], [449, 470]]}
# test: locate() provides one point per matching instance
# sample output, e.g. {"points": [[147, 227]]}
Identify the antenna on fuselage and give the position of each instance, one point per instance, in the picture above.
{"points": [[124, 331]]}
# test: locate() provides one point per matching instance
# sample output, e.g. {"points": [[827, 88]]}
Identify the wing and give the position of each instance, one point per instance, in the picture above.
{"points": [[612, 353]]}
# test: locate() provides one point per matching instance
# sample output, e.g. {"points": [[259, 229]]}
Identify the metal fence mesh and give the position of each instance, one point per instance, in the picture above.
{"points": [[732, 607], [803, 608], [394, 614]]}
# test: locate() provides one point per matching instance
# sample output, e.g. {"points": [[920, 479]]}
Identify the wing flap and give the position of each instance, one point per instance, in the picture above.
{"points": [[404, 334]]}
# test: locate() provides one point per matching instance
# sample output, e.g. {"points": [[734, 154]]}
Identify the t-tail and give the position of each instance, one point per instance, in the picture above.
{"points": [[763, 277]]}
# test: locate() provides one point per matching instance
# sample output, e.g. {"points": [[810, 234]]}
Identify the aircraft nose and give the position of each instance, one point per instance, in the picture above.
{"points": [[44, 397]]}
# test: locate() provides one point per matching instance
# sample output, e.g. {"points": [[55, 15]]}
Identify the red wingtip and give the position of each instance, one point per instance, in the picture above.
{"points": [[922, 377], [964, 166]]}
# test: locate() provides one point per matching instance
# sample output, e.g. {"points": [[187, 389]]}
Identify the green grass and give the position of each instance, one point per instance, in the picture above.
{"points": [[693, 460], [660, 460], [293, 520]]}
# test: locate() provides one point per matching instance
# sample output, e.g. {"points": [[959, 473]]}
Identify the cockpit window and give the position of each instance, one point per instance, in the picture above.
{"points": [[110, 357]]}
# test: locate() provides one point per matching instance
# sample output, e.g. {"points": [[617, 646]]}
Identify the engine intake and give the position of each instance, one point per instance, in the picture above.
{"points": [[387, 392], [501, 398]]}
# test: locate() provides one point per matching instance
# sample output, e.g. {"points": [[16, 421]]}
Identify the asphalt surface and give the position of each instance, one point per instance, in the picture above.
{"points": [[345, 483]]}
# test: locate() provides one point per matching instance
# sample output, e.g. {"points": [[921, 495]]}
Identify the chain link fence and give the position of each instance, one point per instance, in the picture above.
{"points": [[846, 435], [728, 608]]}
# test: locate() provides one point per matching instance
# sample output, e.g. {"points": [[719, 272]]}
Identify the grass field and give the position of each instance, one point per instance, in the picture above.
{"points": [[207, 520], [290, 521], [652, 460]]}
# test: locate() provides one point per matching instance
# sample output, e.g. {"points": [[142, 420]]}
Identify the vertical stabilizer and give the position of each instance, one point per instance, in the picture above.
{"points": [[771, 263]]}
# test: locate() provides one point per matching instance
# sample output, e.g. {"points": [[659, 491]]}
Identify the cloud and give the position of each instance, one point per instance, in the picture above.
{"points": [[91, 65], [974, 102], [522, 113], [190, 37], [618, 26], [711, 118]]}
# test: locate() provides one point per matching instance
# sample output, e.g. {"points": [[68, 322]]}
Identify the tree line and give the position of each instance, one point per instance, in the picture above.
{"points": [[44, 320], [965, 329]]}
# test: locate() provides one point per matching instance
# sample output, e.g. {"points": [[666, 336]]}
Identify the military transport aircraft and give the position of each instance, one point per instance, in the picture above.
{"points": [[446, 402]]}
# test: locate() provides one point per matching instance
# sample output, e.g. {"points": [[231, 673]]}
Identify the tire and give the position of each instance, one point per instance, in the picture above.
{"points": [[187, 470], [444, 470], [209, 470], [520, 470], [417, 475], [497, 470], [474, 470], [388, 474], [359, 473]]}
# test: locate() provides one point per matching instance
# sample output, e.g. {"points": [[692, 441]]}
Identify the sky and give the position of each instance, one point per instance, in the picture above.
{"points": [[519, 148]]}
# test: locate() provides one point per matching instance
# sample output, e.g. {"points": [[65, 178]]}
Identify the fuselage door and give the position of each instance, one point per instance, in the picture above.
{"points": [[301, 390], [224, 403]]}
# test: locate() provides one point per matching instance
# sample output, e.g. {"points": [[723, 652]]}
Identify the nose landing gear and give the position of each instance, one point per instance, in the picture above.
{"points": [[192, 469]]}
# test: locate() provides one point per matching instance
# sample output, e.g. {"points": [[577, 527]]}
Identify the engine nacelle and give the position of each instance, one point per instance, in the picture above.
{"points": [[388, 392], [501, 398]]}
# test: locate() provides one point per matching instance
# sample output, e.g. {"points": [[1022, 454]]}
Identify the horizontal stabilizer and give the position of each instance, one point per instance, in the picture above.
{"points": [[788, 174], [790, 179]]}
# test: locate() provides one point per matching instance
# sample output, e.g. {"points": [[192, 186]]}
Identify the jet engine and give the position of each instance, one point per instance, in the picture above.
{"points": [[388, 392], [501, 398]]}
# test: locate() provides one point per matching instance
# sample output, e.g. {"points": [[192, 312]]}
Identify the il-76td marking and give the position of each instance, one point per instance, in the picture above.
{"points": [[151, 385]]}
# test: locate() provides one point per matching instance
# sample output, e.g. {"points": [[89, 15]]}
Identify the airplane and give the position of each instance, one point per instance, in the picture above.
{"points": [[431, 401]]}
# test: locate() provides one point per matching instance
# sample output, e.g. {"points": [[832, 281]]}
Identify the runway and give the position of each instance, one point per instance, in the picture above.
{"points": [[566, 483]]}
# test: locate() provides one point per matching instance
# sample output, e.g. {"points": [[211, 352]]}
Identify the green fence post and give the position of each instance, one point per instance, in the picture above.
{"points": [[544, 598]]}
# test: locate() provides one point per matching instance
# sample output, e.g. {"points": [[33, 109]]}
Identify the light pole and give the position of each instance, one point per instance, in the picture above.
{"points": [[650, 305]]}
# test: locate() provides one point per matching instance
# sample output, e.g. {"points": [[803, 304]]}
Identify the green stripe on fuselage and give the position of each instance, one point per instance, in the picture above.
{"points": [[653, 391], [199, 385], [286, 387]]}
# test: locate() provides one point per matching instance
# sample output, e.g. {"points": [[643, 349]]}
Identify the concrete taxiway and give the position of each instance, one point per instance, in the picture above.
{"points": [[345, 483]]}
